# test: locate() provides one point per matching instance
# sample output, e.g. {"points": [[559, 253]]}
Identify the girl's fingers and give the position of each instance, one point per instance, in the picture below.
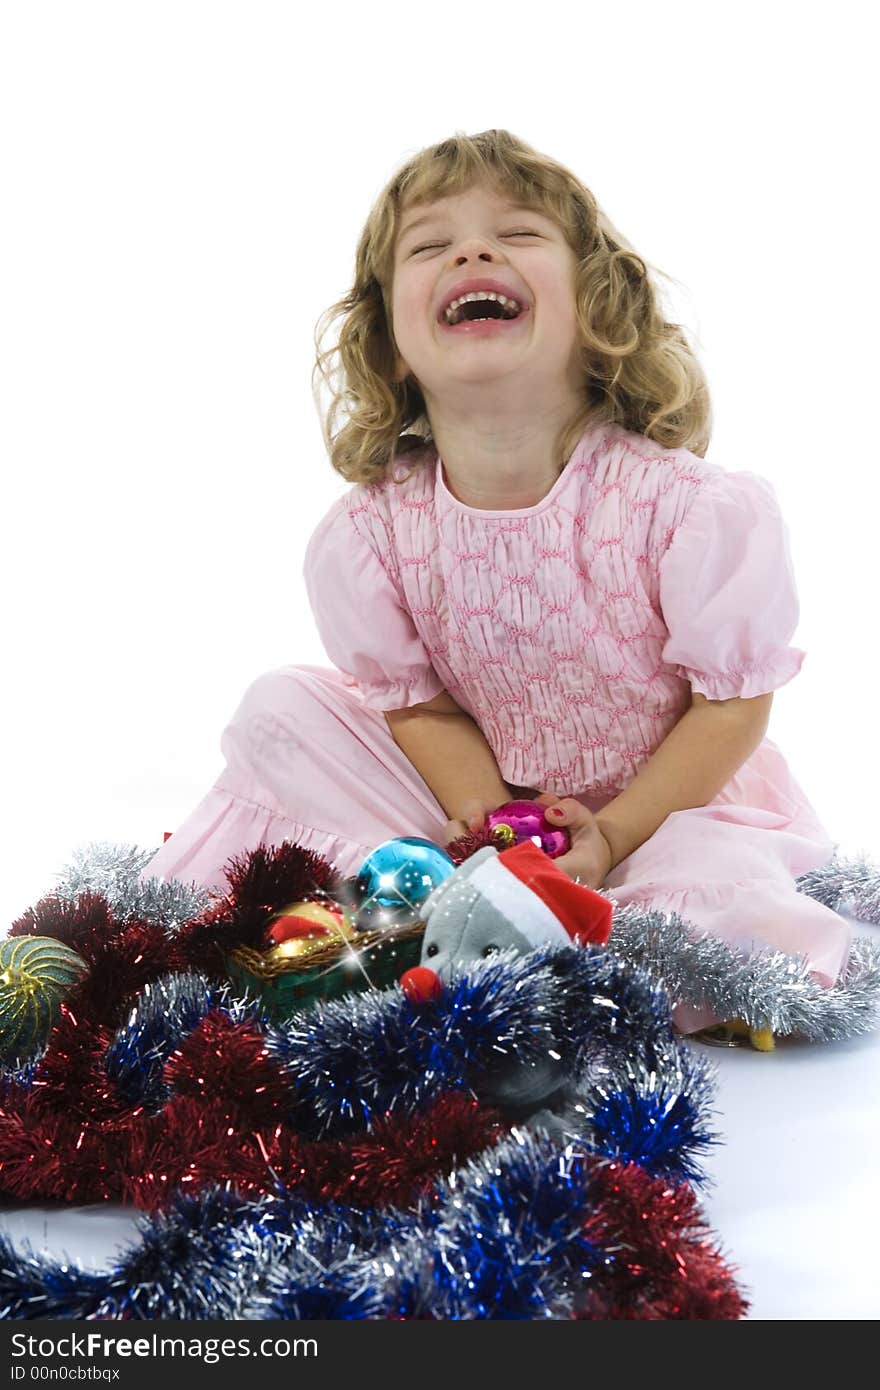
{"points": [[569, 809], [453, 829]]}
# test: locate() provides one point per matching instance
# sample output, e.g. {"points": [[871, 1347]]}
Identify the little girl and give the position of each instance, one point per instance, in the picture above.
{"points": [[543, 590]]}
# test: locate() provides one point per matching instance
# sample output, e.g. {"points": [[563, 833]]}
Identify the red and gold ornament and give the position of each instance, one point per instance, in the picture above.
{"points": [[304, 927]]}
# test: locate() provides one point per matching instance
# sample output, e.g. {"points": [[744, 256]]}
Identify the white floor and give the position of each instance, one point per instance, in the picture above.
{"points": [[794, 1196], [794, 1202]]}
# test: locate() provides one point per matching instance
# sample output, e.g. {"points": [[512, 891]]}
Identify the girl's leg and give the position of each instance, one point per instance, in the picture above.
{"points": [[305, 761]]}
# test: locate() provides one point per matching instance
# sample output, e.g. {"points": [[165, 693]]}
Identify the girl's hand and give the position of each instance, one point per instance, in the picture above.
{"points": [[473, 818], [590, 860]]}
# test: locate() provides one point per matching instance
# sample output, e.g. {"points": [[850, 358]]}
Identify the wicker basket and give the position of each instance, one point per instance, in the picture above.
{"points": [[374, 960]]}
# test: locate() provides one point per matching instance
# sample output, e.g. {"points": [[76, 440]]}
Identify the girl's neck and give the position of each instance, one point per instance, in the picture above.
{"points": [[496, 469]]}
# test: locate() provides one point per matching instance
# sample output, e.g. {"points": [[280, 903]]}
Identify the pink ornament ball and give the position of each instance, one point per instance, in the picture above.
{"points": [[528, 822]]}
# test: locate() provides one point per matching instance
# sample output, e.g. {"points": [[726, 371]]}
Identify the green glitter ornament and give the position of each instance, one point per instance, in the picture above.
{"points": [[36, 972]]}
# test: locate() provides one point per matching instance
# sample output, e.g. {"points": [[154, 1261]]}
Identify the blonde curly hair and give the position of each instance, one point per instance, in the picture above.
{"points": [[639, 370]]}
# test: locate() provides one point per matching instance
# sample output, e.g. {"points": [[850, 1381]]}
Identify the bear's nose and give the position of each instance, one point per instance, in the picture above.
{"points": [[420, 984]]}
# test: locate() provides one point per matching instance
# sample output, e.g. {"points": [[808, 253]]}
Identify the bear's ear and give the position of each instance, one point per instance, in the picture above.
{"points": [[472, 863], [459, 875]]}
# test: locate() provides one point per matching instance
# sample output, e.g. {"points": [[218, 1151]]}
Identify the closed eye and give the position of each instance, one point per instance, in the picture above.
{"points": [[429, 244]]}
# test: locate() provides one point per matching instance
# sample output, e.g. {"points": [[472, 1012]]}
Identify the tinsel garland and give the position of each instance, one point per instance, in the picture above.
{"points": [[521, 1231], [97, 911], [344, 1163], [161, 1087], [769, 989], [130, 1115]]}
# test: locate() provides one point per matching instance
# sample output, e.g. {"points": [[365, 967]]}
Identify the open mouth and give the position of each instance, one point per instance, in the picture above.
{"points": [[483, 316]]}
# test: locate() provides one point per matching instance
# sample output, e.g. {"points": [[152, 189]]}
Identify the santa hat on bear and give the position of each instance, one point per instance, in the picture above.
{"points": [[540, 899]]}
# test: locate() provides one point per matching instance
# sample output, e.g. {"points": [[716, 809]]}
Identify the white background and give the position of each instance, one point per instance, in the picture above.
{"points": [[184, 185]]}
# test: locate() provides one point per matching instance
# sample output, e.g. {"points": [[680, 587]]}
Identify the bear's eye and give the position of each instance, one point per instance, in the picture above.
{"points": [[432, 949], [489, 950]]}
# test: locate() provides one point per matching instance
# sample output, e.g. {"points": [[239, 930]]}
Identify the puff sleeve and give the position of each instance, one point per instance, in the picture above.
{"points": [[727, 592], [366, 631]]}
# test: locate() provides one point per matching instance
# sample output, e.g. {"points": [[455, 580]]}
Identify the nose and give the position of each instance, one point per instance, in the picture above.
{"points": [[484, 255], [420, 984], [475, 247]]}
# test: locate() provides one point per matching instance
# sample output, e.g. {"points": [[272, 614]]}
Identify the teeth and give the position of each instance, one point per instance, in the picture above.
{"points": [[453, 307]]}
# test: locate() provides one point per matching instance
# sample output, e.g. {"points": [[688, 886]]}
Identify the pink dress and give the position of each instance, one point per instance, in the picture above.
{"points": [[572, 632]]}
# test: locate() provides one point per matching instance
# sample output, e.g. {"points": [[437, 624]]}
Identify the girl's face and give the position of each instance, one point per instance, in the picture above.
{"points": [[473, 235]]}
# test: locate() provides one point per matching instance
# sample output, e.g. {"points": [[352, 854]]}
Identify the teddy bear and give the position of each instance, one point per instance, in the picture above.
{"points": [[515, 899]]}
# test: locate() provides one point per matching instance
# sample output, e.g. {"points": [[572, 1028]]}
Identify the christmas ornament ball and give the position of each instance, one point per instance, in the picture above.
{"points": [[306, 926], [309, 918], [36, 972], [525, 820], [396, 878]]}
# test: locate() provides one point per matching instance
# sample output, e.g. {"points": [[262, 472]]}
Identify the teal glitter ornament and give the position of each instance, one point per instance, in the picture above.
{"points": [[36, 972], [396, 878]]}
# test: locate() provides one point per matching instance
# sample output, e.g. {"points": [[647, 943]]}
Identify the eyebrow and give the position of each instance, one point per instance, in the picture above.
{"points": [[430, 216]]}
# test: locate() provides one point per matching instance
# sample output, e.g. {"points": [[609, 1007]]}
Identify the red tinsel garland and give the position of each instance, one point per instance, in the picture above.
{"points": [[667, 1267], [69, 1137], [123, 957]]}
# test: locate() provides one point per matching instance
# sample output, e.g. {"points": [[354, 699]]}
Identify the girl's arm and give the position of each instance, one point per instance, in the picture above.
{"points": [[449, 751], [696, 759]]}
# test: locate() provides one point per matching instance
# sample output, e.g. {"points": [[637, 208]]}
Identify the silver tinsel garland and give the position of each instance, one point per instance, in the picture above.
{"points": [[846, 885], [766, 990], [113, 871]]}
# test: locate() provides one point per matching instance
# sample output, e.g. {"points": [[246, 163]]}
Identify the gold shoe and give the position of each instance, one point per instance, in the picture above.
{"points": [[737, 1033]]}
